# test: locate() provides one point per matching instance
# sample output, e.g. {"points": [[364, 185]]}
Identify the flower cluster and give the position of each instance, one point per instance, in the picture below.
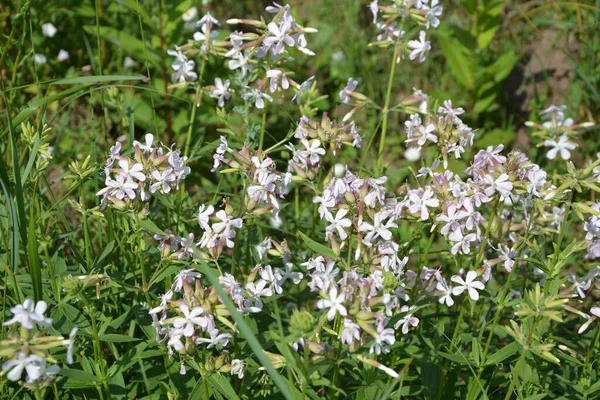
{"points": [[445, 129], [315, 137], [266, 184], [152, 169], [557, 132], [397, 15], [29, 351], [190, 315]]}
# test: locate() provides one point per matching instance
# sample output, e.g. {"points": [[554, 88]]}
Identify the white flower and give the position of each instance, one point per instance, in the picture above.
{"points": [[240, 61], [350, 333], [408, 320], [190, 14], [278, 37], [563, 146], [22, 362], [63, 55], [420, 200], [49, 30], [446, 290], [501, 185], [339, 223], [537, 179], [119, 188], [335, 304], [134, 172], [378, 229], [469, 284], [149, 139], [256, 290], [190, 319], [204, 213], [420, 47], [257, 96], [313, 150], [215, 339], [237, 368], [71, 345], [275, 75], [412, 154], [385, 337], [185, 276], [128, 62], [303, 87], [162, 180], [425, 133], [221, 91], [325, 203], [206, 35], [225, 226], [28, 314], [450, 112], [295, 277], [184, 68], [39, 58], [461, 242], [207, 19], [350, 86]]}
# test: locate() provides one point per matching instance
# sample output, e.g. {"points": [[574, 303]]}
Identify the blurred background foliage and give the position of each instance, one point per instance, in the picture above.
{"points": [[501, 60]]}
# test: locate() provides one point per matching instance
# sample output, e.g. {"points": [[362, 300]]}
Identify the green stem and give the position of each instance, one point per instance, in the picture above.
{"points": [[262, 128], [505, 289], [557, 251], [237, 236], [86, 233], [588, 356], [519, 365], [486, 236], [451, 348], [385, 109]]}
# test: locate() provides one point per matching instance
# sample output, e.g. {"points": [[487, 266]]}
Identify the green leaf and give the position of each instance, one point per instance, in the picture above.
{"points": [[151, 227], [97, 79], [317, 247], [117, 338], [105, 253], [79, 375], [495, 137], [128, 359], [121, 39], [222, 384], [35, 268], [460, 65], [503, 354], [42, 101], [161, 274]]}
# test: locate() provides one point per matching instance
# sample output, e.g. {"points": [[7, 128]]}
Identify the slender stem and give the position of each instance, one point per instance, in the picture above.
{"points": [[451, 348], [488, 229], [385, 109], [262, 128], [517, 370], [500, 308], [561, 234], [505, 292], [458, 323], [188, 139], [237, 236], [86, 233], [422, 260], [588, 356]]}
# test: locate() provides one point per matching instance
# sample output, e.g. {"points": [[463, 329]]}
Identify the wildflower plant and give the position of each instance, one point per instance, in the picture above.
{"points": [[286, 253]]}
